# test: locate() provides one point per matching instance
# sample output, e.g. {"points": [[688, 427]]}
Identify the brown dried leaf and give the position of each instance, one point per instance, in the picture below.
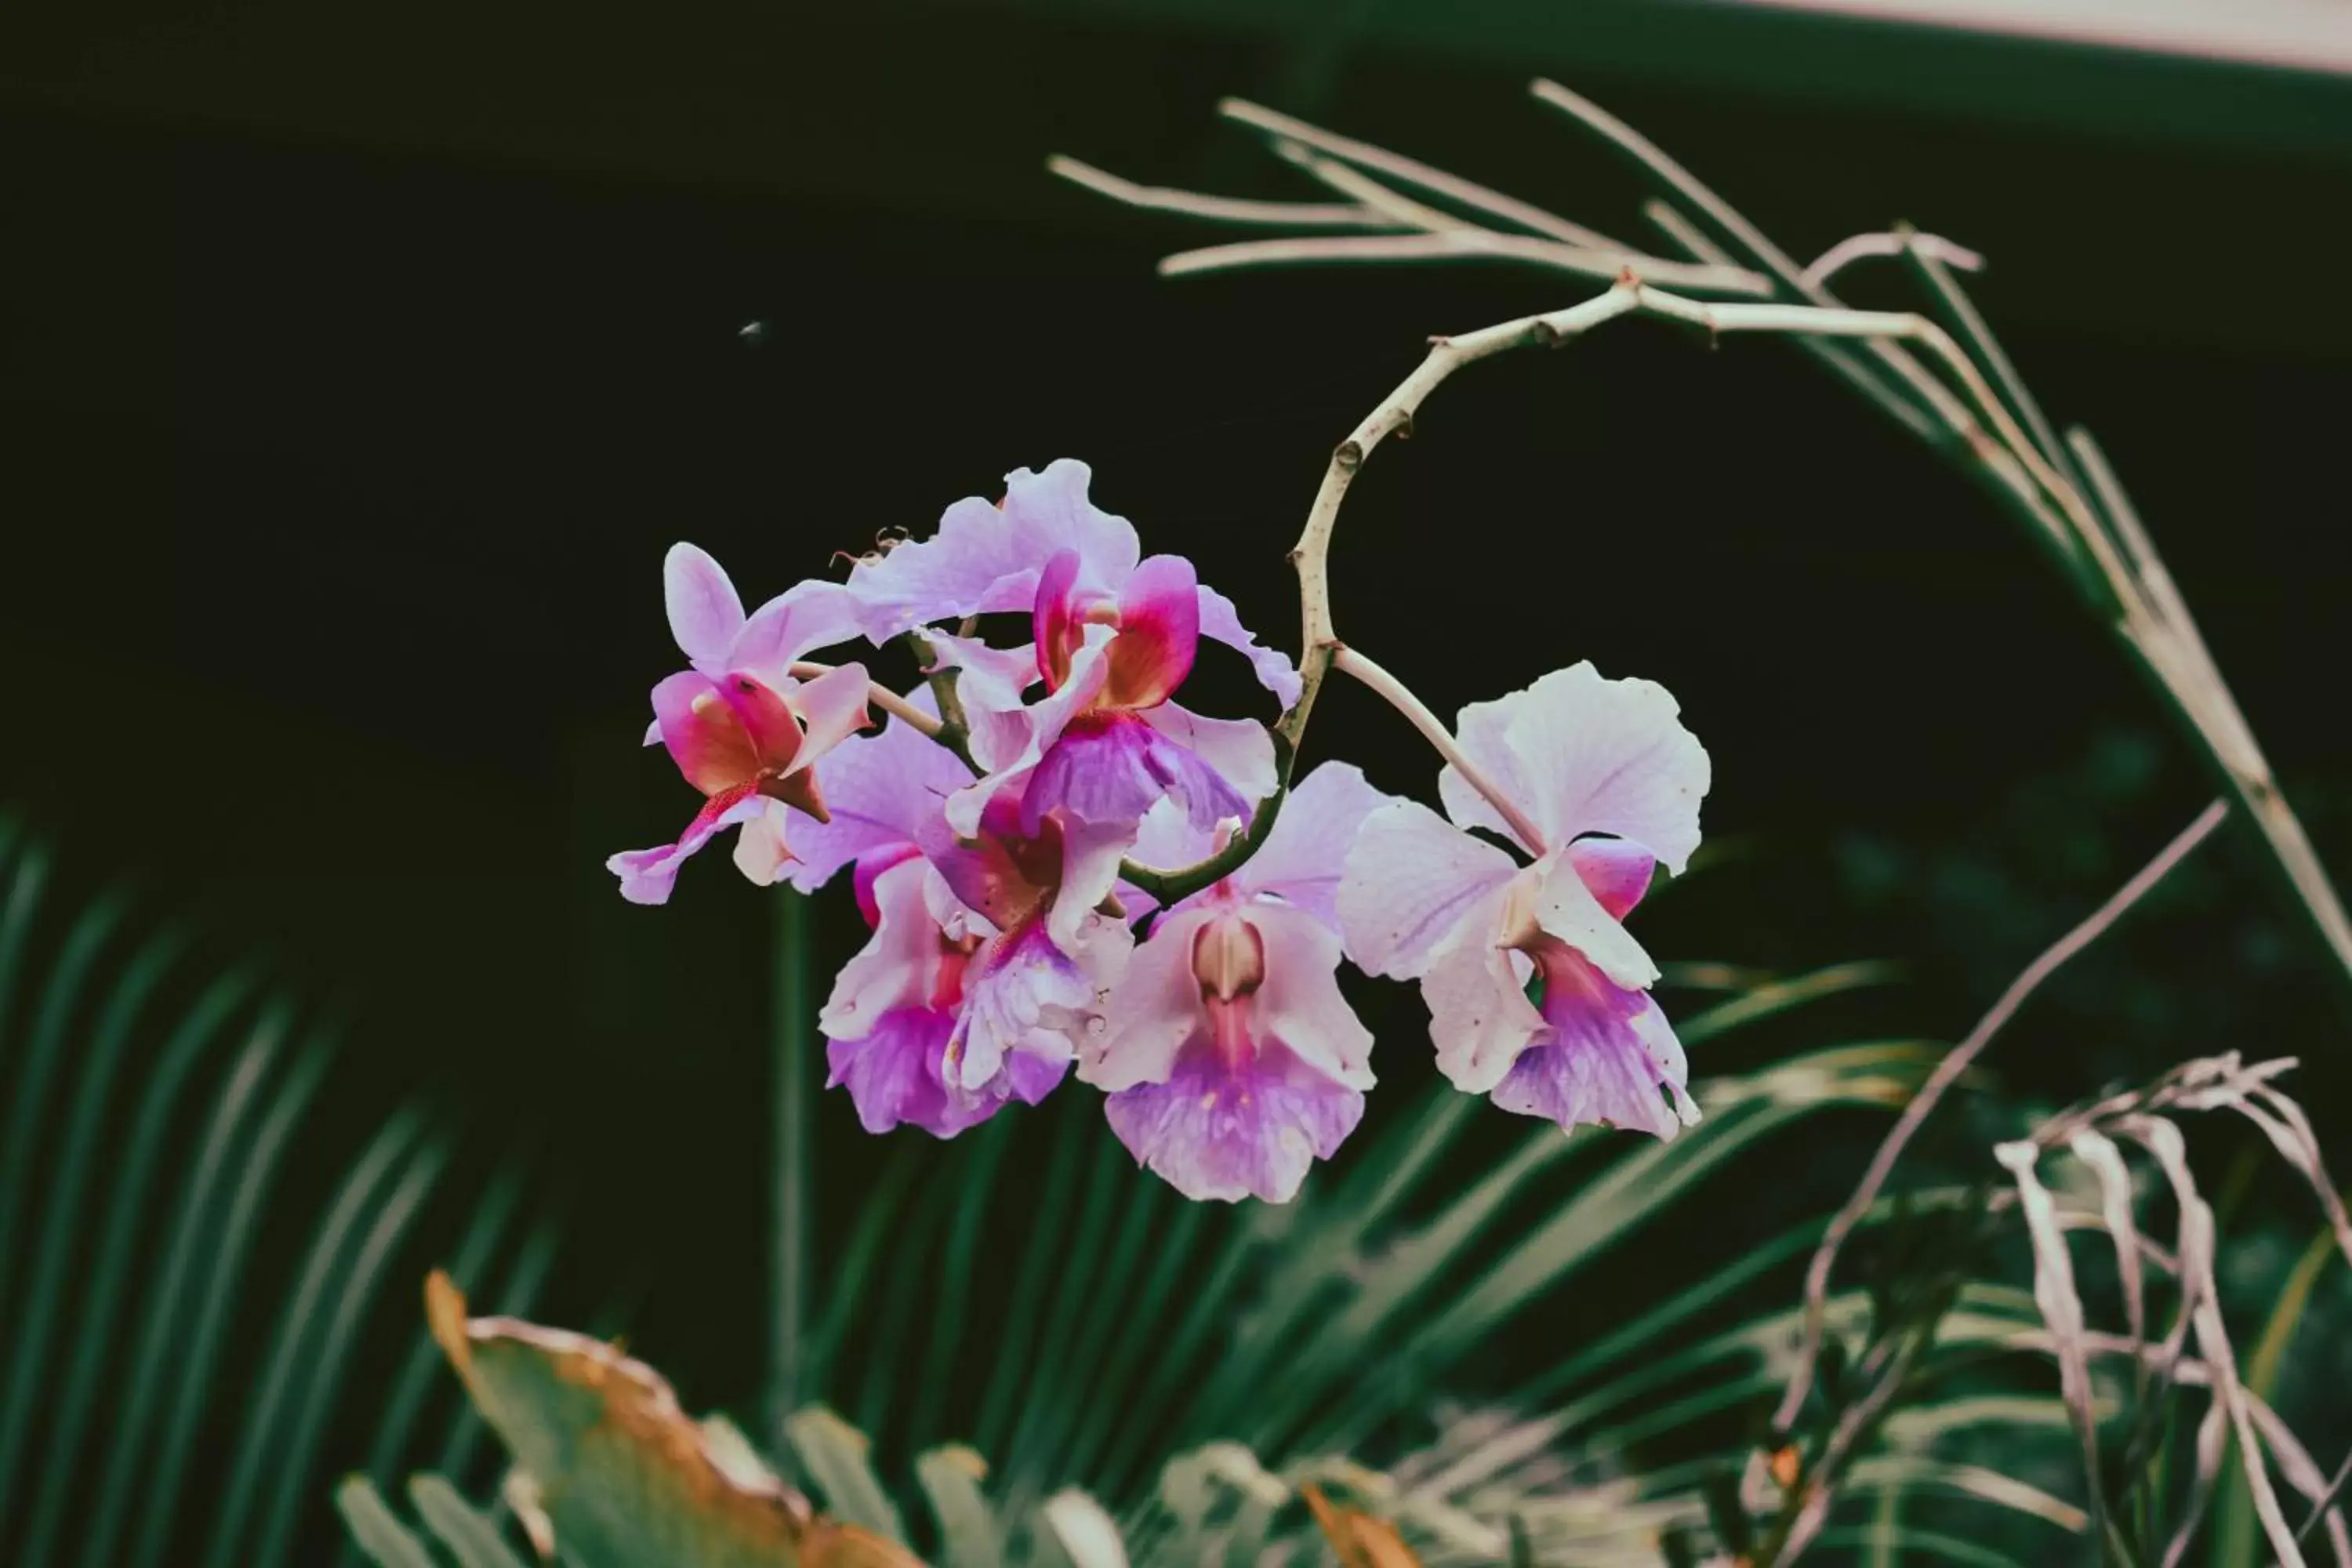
{"points": [[1360, 1540], [626, 1478]]}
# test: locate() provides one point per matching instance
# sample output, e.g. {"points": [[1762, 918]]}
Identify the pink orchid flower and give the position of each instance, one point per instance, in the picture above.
{"points": [[740, 728], [975, 988], [895, 1004], [1106, 742], [988, 558], [1114, 636], [892, 1024], [1231, 1060], [1422, 899]]}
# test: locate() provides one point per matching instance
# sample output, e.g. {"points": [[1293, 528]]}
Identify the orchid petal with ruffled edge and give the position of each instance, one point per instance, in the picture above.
{"points": [[763, 851], [1237, 753], [1220, 621], [705, 617], [986, 558], [739, 727], [749, 748], [1026, 998], [991, 686], [1580, 754], [1114, 635], [895, 1074], [1306, 852], [1216, 1136], [895, 1010], [1047, 550], [1607, 1053], [705, 611], [647, 876], [1231, 1060], [1412, 881], [1158, 634], [880, 790], [1109, 769], [1577, 755]]}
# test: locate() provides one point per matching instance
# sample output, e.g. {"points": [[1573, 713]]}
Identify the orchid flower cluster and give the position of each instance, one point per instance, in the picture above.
{"points": [[1010, 824]]}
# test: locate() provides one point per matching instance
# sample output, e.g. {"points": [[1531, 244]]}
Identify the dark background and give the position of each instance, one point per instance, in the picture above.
{"points": [[355, 371]]}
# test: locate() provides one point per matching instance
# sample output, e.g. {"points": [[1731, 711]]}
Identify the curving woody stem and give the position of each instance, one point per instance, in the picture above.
{"points": [[1990, 425]]}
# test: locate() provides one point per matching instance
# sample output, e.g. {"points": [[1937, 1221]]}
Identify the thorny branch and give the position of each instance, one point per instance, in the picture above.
{"points": [[1631, 296], [2063, 492]]}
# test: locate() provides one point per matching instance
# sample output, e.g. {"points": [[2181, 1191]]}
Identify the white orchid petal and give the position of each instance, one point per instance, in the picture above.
{"points": [[1409, 881], [1582, 754]]}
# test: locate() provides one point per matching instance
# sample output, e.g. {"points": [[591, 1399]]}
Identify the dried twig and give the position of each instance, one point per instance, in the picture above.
{"points": [[2067, 499], [1218, 209], [1630, 296], [1419, 176], [1948, 1072], [2162, 1140], [1447, 244], [1891, 242], [2062, 1309]]}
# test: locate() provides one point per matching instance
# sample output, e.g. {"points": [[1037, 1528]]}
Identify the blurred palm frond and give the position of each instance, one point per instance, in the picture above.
{"points": [[152, 1130]]}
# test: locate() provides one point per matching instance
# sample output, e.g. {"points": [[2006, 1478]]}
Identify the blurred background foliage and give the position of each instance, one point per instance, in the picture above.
{"points": [[354, 382]]}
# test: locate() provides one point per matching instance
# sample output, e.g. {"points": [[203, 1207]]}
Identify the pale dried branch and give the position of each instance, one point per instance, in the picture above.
{"points": [[2212, 1449], [1891, 242], [1694, 240], [1216, 209], [2073, 508], [1631, 296], [2291, 1132], [1928, 261], [2098, 1150], [1948, 1072], [2062, 1311], [1310, 556], [1449, 245], [1419, 176], [1903, 408], [1949, 415], [1693, 191], [2324, 1504], [2162, 1140], [1394, 206], [2303, 1473], [1476, 240], [2007, 446], [2294, 1461], [2166, 641]]}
